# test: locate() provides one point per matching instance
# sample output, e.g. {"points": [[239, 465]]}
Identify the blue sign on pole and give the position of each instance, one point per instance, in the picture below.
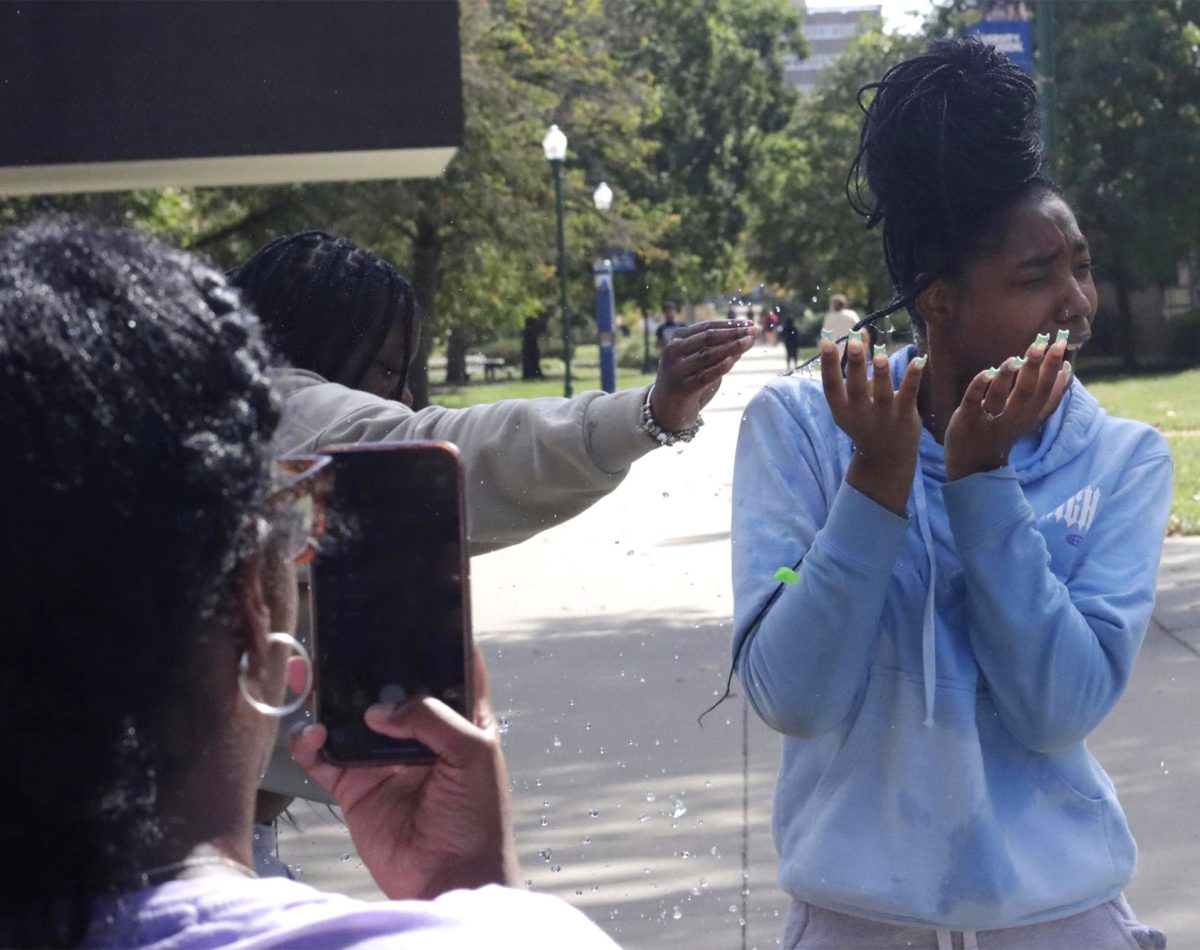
{"points": [[623, 260], [1013, 38], [605, 319]]}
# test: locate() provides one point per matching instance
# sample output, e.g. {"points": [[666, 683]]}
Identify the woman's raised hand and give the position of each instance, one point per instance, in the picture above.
{"points": [[1003, 404], [422, 830], [883, 423]]}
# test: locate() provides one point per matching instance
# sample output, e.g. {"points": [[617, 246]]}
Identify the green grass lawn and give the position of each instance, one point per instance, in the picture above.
{"points": [[585, 375], [1171, 403]]}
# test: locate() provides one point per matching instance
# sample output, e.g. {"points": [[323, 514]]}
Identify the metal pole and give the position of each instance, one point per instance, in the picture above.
{"points": [[605, 319], [1043, 21], [562, 280], [646, 367]]}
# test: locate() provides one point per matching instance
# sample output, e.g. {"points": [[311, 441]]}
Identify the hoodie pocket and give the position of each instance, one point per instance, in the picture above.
{"points": [[955, 822]]}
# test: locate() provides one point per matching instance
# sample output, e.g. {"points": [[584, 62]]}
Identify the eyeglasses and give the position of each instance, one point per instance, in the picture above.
{"points": [[295, 513]]}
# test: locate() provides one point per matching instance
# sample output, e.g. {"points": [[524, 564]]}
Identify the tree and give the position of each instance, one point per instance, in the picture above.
{"points": [[1128, 118], [718, 65], [806, 235]]}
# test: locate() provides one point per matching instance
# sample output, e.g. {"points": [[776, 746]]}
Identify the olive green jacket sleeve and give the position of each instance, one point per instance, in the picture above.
{"points": [[529, 463]]}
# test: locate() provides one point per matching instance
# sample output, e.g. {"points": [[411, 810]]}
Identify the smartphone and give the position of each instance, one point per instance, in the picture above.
{"points": [[391, 594]]}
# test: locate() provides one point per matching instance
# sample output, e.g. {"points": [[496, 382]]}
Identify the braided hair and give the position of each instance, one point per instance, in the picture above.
{"points": [[136, 414], [320, 296], [948, 145]]}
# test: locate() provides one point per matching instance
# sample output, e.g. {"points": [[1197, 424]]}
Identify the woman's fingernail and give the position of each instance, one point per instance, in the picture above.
{"points": [[920, 361], [1042, 338], [1063, 336], [828, 335], [854, 345], [1067, 369], [1016, 362], [991, 372], [880, 350]]}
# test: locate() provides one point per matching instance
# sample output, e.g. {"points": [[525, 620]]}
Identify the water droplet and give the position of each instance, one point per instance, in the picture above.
{"points": [[676, 913], [557, 742], [593, 813], [644, 818], [345, 858], [503, 726], [545, 821], [556, 868], [680, 810], [666, 494], [587, 840], [650, 797], [714, 851], [544, 854]]}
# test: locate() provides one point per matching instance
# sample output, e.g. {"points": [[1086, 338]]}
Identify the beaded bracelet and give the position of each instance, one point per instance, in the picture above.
{"points": [[660, 435]]}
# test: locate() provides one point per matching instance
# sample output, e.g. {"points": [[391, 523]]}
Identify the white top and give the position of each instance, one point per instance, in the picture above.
{"points": [[228, 911]]}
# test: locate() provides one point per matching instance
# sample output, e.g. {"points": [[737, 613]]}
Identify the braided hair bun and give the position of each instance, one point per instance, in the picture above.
{"points": [[948, 144]]}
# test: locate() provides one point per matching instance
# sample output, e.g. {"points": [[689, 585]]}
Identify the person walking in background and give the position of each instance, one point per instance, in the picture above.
{"points": [[531, 351], [840, 319], [969, 546], [790, 334], [670, 325]]}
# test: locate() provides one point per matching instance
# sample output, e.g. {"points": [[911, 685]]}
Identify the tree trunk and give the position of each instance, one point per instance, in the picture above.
{"points": [[456, 359], [1126, 333], [427, 252]]}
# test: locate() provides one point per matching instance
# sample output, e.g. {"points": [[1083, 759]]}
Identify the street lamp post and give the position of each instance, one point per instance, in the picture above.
{"points": [[602, 270], [555, 147]]}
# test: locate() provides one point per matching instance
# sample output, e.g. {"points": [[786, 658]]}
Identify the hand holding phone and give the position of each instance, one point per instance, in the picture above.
{"points": [[424, 831], [390, 596]]}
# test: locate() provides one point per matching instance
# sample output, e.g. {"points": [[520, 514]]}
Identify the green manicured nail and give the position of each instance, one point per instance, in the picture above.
{"points": [[880, 350], [920, 361], [991, 373], [1042, 339], [1063, 336], [785, 575], [1068, 369], [854, 336], [828, 335], [1016, 362]]}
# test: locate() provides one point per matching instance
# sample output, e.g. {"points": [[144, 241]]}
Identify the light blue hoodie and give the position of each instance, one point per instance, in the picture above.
{"points": [[934, 768]]}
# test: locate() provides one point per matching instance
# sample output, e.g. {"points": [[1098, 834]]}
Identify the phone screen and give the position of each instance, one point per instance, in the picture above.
{"points": [[390, 594]]}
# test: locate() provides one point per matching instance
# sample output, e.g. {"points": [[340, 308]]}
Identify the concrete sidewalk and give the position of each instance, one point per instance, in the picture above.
{"points": [[608, 635]]}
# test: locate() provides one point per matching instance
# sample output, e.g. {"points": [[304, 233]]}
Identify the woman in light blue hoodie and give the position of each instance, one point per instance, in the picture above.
{"points": [[969, 546]]}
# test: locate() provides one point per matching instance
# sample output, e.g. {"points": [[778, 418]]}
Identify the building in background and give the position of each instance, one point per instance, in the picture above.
{"points": [[828, 32]]}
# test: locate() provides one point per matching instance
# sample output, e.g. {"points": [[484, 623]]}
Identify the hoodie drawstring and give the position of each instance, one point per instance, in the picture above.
{"points": [[928, 630]]}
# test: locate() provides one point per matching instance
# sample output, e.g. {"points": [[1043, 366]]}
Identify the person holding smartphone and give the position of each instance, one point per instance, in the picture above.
{"points": [[347, 322], [148, 612]]}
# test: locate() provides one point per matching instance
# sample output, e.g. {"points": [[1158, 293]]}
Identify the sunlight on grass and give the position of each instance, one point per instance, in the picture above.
{"points": [[1171, 403]]}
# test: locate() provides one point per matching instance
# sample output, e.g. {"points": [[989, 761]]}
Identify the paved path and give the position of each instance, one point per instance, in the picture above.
{"points": [[606, 637]]}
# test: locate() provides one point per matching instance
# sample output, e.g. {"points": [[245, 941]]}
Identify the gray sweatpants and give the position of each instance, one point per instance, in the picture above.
{"points": [[1110, 926]]}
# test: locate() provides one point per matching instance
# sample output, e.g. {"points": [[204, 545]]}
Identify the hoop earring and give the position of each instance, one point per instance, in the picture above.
{"points": [[267, 709]]}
